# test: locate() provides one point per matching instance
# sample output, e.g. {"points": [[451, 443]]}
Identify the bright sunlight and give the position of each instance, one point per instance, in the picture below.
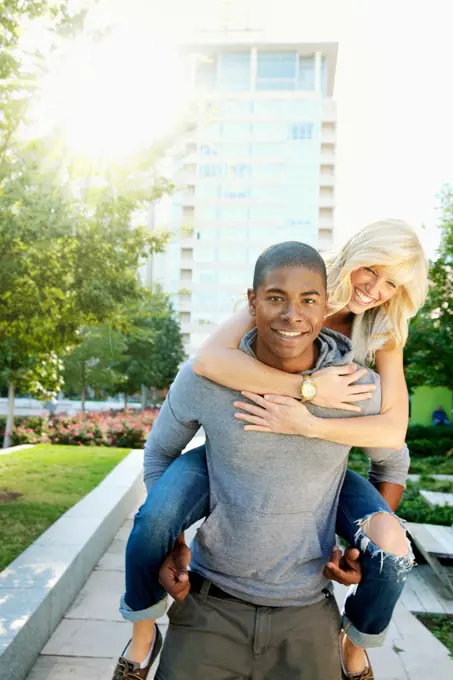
{"points": [[113, 97]]}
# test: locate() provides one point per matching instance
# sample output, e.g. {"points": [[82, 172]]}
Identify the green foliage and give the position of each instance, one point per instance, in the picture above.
{"points": [[154, 345], [90, 364], [414, 508], [441, 626], [429, 351]]}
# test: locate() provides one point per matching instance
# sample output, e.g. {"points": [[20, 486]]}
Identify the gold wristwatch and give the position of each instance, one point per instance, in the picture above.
{"points": [[307, 389]]}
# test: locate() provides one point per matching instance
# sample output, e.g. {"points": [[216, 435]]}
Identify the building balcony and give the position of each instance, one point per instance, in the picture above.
{"points": [[327, 201], [188, 198], [328, 158], [327, 179], [325, 222], [328, 137], [329, 110]]}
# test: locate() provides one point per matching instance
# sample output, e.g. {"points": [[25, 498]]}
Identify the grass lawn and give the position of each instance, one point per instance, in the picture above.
{"points": [[38, 485], [440, 625]]}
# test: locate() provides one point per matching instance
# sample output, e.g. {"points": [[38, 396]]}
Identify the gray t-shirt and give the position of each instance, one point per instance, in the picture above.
{"points": [[273, 498]]}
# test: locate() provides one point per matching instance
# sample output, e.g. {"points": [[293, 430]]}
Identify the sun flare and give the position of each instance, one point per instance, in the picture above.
{"points": [[112, 98]]}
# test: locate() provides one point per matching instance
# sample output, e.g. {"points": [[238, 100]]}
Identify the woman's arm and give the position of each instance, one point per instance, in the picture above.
{"points": [[220, 360], [283, 415], [386, 430]]}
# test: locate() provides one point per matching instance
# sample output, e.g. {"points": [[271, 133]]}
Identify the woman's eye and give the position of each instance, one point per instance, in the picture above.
{"points": [[392, 285], [368, 269]]}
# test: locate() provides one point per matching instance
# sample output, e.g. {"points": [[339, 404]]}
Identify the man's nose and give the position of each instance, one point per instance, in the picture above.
{"points": [[292, 313]]}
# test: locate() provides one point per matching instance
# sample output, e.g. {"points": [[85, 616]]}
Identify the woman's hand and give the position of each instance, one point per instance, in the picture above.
{"points": [[272, 413], [336, 387]]}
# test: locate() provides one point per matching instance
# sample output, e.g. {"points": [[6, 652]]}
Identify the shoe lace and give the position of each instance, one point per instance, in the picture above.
{"points": [[121, 670]]}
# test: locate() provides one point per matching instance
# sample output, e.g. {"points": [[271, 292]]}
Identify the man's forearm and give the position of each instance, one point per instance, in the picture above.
{"points": [[391, 493]]}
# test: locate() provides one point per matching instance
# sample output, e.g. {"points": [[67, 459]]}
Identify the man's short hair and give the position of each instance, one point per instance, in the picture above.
{"points": [[288, 254]]}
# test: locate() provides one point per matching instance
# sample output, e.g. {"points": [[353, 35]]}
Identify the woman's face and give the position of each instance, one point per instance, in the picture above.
{"points": [[371, 287]]}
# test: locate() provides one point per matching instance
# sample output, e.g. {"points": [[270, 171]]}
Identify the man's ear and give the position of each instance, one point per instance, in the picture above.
{"points": [[252, 301]]}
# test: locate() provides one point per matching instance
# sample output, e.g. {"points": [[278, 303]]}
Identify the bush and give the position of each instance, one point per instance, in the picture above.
{"points": [[429, 432], [124, 429], [414, 508]]}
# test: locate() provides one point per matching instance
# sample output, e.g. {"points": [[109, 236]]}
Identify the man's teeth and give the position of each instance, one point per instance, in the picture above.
{"points": [[289, 334], [362, 297]]}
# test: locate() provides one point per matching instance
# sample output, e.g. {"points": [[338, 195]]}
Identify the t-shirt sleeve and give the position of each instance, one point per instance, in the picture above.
{"points": [[387, 465], [177, 423]]}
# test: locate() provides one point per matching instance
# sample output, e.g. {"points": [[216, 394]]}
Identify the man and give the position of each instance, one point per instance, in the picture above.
{"points": [[260, 606], [439, 416]]}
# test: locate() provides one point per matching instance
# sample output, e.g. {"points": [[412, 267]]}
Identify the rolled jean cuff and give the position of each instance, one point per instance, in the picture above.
{"points": [[154, 612], [364, 640]]}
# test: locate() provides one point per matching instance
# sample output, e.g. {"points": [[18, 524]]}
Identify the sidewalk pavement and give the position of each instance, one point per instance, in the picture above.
{"points": [[86, 644]]}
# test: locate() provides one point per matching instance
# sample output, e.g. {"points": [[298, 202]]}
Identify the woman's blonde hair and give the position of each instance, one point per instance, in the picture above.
{"points": [[392, 244]]}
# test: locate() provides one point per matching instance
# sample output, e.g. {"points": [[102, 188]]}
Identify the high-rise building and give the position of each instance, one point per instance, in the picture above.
{"points": [[258, 170]]}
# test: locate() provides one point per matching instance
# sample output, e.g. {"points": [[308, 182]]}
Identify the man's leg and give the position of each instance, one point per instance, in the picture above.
{"points": [[208, 639], [298, 643], [176, 501]]}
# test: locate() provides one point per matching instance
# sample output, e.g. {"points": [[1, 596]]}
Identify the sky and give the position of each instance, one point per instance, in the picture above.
{"points": [[392, 88], [394, 98]]}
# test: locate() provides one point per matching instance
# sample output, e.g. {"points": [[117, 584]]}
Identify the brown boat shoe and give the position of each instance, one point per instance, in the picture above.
{"points": [[128, 670], [366, 674]]}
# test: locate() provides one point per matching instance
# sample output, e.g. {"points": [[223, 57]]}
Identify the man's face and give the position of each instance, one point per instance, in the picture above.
{"points": [[289, 309]]}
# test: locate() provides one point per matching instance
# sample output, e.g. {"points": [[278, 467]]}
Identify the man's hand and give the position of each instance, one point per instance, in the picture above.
{"points": [[173, 574], [344, 568]]}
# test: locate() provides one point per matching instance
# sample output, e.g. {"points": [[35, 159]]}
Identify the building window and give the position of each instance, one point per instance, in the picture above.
{"points": [[207, 150], [324, 76], [240, 170], [184, 317], [186, 253], [276, 71], [327, 148], [211, 170], [306, 79], [185, 275], [188, 211], [185, 296], [301, 131], [234, 71], [186, 338]]}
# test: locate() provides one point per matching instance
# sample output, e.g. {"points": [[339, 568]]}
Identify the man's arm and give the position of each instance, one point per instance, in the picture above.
{"points": [[176, 424]]}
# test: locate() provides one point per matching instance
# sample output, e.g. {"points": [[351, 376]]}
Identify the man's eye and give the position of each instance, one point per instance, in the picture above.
{"points": [[275, 298], [309, 301]]}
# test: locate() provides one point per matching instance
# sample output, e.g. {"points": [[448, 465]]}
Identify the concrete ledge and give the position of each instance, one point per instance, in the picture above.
{"points": [[37, 588], [13, 449]]}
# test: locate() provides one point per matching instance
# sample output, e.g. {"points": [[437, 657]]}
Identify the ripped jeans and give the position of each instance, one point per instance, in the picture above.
{"points": [[181, 498]]}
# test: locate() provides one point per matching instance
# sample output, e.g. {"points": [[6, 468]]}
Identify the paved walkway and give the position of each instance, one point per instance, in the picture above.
{"points": [[87, 642]]}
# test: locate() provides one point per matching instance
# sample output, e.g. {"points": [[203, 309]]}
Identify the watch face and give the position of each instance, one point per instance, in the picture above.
{"points": [[309, 390]]}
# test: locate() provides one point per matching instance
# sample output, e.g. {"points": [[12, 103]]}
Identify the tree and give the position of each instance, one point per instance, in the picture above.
{"points": [[429, 350], [154, 345], [91, 364], [64, 264]]}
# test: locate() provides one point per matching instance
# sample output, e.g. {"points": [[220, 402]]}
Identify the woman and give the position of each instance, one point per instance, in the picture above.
{"points": [[376, 283]]}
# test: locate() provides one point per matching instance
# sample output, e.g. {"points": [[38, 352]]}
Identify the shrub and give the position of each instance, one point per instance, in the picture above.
{"points": [[128, 429], [414, 508]]}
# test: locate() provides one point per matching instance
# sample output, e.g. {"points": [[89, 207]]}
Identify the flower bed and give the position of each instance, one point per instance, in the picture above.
{"points": [[125, 429]]}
